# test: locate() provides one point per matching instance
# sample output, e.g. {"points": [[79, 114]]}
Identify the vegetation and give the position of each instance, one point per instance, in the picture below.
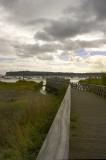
{"points": [[104, 79], [101, 81], [57, 86], [25, 118], [20, 85]]}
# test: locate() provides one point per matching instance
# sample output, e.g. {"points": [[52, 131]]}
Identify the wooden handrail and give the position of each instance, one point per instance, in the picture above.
{"points": [[56, 144]]}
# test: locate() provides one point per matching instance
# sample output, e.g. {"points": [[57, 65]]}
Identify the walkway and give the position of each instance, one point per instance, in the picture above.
{"points": [[88, 126]]}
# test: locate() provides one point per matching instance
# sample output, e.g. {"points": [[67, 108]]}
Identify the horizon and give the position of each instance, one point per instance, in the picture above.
{"points": [[55, 72]]}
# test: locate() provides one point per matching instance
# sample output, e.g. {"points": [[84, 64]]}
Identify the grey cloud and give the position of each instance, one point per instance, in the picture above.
{"points": [[84, 17], [64, 56], [7, 46], [41, 51], [80, 17], [41, 35], [96, 7], [16, 10], [30, 50], [88, 9], [38, 21], [7, 59], [31, 12], [45, 57], [77, 44], [69, 57], [61, 29], [64, 28], [74, 10]]}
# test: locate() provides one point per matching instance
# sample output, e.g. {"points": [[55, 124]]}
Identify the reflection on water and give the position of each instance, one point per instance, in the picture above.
{"points": [[13, 80], [43, 90], [76, 80], [9, 80]]}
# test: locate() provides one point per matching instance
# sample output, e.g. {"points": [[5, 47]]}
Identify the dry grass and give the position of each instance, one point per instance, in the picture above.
{"points": [[25, 118]]}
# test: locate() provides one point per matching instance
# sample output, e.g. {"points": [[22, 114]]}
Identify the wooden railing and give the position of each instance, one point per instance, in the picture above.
{"points": [[56, 144], [97, 89]]}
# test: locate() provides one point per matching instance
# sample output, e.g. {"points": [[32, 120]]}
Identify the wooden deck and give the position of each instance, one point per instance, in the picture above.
{"points": [[88, 126]]}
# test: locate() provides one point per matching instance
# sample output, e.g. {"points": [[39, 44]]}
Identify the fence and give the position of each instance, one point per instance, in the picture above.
{"points": [[97, 89], [56, 144]]}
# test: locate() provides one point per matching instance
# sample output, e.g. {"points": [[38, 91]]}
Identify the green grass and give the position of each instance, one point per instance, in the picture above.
{"points": [[25, 118], [20, 85], [101, 81]]}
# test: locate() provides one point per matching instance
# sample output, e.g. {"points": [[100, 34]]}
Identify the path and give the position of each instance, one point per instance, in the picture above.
{"points": [[88, 131]]}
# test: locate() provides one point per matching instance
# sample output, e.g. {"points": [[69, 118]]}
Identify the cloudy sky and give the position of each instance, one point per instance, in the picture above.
{"points": [[53, 35]]}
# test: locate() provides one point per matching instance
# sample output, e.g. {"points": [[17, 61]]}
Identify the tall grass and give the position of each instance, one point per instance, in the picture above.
{"points": [[25, 118]]}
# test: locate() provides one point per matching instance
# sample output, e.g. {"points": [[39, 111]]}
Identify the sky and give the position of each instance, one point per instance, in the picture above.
{"points": [[51, 35]]}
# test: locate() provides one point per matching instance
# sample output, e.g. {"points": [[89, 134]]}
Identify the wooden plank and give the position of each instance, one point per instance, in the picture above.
{"points": [[88, 134], [56, 144]]}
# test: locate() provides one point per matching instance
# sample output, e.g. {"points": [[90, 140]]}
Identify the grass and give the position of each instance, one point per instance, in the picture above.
{"points": [[20, 85], [101, 81], [25, 118]]}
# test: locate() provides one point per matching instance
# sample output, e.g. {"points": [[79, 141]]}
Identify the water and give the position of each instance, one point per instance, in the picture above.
{"points": [[43, 90], [13, 80], [9, 80], [76, 79]]}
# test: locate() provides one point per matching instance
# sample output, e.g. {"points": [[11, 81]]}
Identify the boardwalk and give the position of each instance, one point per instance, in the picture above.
{"points": [[88, 126]]}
